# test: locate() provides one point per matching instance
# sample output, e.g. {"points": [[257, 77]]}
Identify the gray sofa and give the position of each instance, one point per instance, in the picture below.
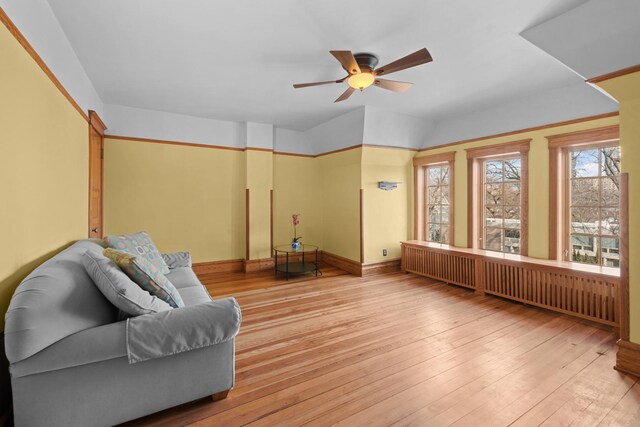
{"points": [[68, 352]]}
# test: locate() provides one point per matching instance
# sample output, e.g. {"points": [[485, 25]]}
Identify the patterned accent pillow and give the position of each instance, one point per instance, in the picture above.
{"points": [[139, 245], [146, 276]]}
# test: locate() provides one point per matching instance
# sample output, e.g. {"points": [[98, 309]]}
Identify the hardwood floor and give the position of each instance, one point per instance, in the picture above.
{"points": [[403, 350]]}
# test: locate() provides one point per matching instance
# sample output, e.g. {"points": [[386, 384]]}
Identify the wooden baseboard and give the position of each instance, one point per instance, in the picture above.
{"points": [[255, 265], [381, 267], [342, 263], [227, 266], [628, 358]]}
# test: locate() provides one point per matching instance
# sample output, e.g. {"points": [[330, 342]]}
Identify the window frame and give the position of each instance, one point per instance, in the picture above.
{"points": [[420, 165], [560, 147], [476, 157]]}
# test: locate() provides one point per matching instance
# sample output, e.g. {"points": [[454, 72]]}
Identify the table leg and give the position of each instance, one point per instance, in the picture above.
{"points": [[286, 275]]}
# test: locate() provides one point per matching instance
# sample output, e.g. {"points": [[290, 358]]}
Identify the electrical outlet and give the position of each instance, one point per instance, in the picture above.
{"points": [[384, 252]]}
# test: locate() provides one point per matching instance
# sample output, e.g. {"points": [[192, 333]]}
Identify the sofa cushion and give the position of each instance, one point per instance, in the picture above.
{"points": [[116, 286], [56, 300], [194, 295], [146, 276], [183, 278], [139, 245]]}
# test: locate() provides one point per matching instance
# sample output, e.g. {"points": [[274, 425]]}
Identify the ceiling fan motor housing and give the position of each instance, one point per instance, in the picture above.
{"points": [[366, 61]]}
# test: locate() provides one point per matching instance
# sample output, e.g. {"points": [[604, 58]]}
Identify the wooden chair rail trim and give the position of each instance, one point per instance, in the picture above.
{"points": [[584, 137]]}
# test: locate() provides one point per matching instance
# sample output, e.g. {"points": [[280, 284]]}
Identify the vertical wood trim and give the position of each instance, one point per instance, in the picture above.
{"points": [[97, 128], [471, 205], [361, 227], [247, 225], [624, 257], [553, 202], [271, 221], [524, 202], [452, 198], [417, 203]]}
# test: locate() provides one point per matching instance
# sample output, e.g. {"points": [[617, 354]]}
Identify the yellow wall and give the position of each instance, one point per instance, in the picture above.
{"points": [[538, 181], [340, 194], [187, 198], [44, 160], [387, 214], [297, 189], [626, 89], [259, 167]]}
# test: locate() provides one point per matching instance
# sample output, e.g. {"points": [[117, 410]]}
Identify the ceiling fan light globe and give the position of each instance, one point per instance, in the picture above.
{"points": [[361, 80]]}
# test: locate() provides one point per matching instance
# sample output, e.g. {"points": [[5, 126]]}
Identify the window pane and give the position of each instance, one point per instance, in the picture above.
{"points": [[445, 195], [610, 252], [512, 217], [493, 239], [512, 241], [611, 161], [493, 216], [434, 233], [610, 225], [584, 163], [584, 220], [444, 214], [434, 213], [583, 249], [445, 175], [434, 196], [433, 175], [444, 234], [610, 191], [584, 192], [493, 171], [511, 193], [512, 169], [493, 194]]}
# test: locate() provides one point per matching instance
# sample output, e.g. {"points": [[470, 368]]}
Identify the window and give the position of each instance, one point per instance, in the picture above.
{"points": [[594, 195], [433, 210], [498, 197], [437, 203], [585, 197], [501, 210]]}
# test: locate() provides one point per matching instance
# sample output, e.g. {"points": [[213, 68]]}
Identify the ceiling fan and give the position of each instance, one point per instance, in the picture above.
{"points": [[363, 72]]}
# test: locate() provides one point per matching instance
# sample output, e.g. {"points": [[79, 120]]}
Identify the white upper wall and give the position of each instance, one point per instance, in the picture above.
{"points": [[259, 135], [391, 129], [292, 141], [139, 123], [593, 39], [38, 24], [343, 131], [551, 106]]}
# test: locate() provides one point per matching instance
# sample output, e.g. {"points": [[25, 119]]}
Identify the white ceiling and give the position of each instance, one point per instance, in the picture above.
{"points": [[237, 60]]}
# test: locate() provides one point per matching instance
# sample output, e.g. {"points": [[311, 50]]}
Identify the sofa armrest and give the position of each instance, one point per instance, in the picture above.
{"points": [[177, 259], [88, 346], [182, 329]]}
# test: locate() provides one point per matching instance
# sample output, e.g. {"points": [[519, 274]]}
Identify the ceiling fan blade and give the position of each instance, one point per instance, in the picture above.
{"points": [[393, 85], [419, 57], [347, 60], [299, 85], [346, 94]]}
